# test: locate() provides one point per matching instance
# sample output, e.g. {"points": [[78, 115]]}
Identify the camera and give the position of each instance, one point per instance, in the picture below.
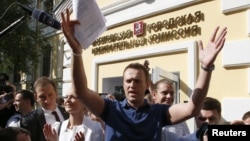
{"points": [[202, 131], [9, 96]]}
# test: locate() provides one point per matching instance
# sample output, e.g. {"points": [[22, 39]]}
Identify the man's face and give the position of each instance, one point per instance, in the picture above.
{"points": [[46, 96], [212, 117], [20, 103], [247, 121], [164, 94], [135, 85]]}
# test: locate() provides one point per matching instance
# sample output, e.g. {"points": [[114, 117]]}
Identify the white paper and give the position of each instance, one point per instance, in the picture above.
{"points": [[92, 22]]}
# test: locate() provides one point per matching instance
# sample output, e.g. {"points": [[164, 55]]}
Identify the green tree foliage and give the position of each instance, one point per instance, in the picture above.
{"points": [[20, 48]]}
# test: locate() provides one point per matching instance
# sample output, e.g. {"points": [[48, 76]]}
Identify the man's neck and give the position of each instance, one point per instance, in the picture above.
{"points": [[136, 105], [27, 111]]}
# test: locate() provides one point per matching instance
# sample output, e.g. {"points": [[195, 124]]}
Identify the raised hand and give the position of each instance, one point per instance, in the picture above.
{"points": [[50, 133], [68, 30], [7, 104], [215, 44], [79, 136]]}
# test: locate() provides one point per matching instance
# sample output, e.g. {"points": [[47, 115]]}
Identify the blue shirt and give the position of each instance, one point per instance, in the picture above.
{"points": [[124, 123], [190, 137]]}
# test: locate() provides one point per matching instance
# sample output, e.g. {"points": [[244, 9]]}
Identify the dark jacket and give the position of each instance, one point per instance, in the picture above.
{"points": [[35, 121], [5, 114]]}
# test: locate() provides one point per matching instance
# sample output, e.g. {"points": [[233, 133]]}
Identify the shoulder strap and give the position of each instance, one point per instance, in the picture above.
{"points": [[59, 128]]}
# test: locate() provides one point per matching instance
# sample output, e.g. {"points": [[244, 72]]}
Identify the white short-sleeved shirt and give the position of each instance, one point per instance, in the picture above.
{"points": [[14, 121], [92, 130], [174, 132]]}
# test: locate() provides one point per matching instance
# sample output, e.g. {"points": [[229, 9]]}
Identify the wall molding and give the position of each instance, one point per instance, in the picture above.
{"points": [[228, 6], [125, 11], [190, 47], [236, 53]]}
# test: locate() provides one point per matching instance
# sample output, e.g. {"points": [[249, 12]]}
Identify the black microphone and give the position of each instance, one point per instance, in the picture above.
{"points": [[41, 16]]}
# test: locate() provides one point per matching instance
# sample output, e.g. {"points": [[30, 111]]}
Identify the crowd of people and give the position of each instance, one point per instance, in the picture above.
{"points": [[51, 121], [86, 116], [133, 118]]}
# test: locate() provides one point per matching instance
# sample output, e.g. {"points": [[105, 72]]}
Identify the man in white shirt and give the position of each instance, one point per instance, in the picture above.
{"points": [[163, 93], [24, 104], [46, 95]]}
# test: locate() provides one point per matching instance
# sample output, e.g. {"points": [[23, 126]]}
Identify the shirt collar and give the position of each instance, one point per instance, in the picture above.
{"points": [[125, 104], [50, 111]]}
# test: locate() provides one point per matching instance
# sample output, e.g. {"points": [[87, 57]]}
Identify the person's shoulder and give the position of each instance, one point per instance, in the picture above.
{"points": [[113, 103], [94, 125], [30, 115], [182, 124], [159, 106], [38, 110], [35, 113], [29, 118], [15, 116]]}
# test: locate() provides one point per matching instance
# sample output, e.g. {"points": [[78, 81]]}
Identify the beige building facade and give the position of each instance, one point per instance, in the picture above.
{"points": [[165, 33]]}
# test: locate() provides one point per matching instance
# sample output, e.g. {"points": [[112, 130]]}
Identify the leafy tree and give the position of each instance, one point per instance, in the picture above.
{"points": [[21, 47]]}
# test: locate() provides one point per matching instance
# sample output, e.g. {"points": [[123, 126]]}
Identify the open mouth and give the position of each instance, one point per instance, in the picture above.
{"points": [[132, 93]]}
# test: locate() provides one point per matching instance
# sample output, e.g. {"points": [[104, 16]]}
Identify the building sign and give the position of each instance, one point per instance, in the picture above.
{"points": [[138, 28], [174, 28]]}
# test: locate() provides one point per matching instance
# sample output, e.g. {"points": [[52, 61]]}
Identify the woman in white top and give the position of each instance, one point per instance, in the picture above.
{"points": [[78, 127]]}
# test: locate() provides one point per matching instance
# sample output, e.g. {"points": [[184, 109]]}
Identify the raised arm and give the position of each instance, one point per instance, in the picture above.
{"points": [[207, 56], [79, 80]]}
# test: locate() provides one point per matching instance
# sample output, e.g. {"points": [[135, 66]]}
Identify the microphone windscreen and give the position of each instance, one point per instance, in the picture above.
{"points": [[46, 19]]}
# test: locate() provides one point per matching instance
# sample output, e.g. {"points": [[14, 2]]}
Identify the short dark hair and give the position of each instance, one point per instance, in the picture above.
{"points": [[211, 104], [138, 66], [43, 81], [11, 133], [27, 95], [246, 115]]}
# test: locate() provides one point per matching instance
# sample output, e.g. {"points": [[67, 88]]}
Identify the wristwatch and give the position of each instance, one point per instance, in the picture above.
{"points": [[209, 68]]}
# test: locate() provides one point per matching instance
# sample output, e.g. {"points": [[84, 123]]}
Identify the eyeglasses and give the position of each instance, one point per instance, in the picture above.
{"points": [[70, 97]]}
